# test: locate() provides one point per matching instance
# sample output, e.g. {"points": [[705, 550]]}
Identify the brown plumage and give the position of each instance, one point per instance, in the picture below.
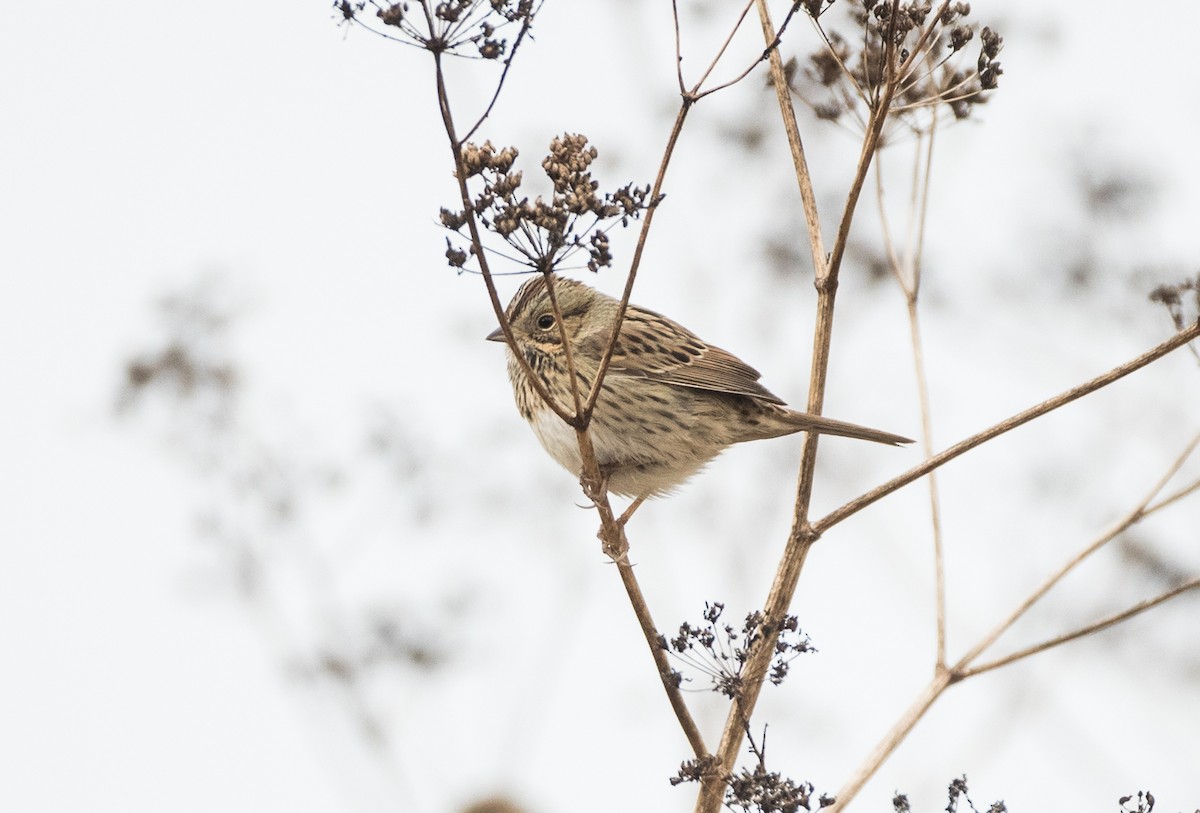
{"points": [[670, 402]]}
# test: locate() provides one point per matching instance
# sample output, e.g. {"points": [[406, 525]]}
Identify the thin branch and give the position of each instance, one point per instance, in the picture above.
{"points": [[678, 48], [572, 376], [766, 55], [1141, 510], [808, 197], [665, 672], [525, 26], [919, 250], [721, 52], [689, 98], [1178, 495], [712, 785], [908, 277], [943, 678], [889, 249], [935, 513], [460, 175], [1103, 624], [920, 201], [846, 72], [854, 506], [635, 263]]}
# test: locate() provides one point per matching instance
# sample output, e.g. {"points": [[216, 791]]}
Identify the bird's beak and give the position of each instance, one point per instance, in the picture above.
{"points": [[496, 335]]}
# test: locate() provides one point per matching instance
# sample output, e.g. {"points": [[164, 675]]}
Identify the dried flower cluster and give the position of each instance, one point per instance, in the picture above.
{"points": [[459, 27], [1144, 801], [768, 792], [756, 789], [956, 793], [721, 651], [1173, 298], [544, 232], [906, 45]]}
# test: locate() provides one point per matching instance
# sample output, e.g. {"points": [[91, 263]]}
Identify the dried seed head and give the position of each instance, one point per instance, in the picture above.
{"points": [[545, 232]]}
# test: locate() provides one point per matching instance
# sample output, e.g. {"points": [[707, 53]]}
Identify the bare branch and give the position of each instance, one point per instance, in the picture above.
{"points": [[1103, 624], [665, 672], [1141, 510], [525, 26], [944, 678], [460, 174], [854, 506], [635, 263]]}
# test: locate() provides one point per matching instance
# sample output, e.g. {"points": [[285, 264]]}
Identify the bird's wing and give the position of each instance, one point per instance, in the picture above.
{"points": [[653, 347]]}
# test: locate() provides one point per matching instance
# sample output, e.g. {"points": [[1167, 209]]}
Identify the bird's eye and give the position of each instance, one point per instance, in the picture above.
{"points": [[545, 321]]}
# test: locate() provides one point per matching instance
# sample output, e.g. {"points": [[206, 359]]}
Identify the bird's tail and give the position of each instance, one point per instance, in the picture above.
{"points": [[828, 426]]}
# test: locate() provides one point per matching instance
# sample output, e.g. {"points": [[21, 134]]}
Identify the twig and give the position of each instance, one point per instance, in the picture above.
{"points": [[944, 678], [460, 175], [908, 277], [1139, 511], [665, 673], [801, 537], [935, 513], [572, 376], [1102, 624], [678, 47], [720, 53], [635, 263], [766, 54], [612, 534], [808, 197], [1178, 495], [920, 203], [525, 25], [854, 506]]}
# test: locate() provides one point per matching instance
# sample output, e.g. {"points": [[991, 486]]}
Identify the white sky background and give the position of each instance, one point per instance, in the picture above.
{"points": [[148, 145]]}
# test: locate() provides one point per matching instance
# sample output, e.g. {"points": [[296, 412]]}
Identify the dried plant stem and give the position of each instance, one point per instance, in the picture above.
{"points": [[801, 537], [945, 677], [512, 54], [854, 506], [771, 48], [460, 174], [638, 250], [667, 675], [942, 678], [720, 53], [616, 546], [1141, 510], [808, 197], [1103, 624], [935, 513], [1178, 495], [908, 275]]}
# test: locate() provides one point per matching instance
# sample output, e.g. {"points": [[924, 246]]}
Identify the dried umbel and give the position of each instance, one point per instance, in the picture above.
{"points": [[457, 27], [544, 233], [720, 650], [1181, 300], [916, 50]]}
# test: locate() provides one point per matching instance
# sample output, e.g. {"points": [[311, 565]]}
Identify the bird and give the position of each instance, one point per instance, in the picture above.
{"points": [[670, 402]]}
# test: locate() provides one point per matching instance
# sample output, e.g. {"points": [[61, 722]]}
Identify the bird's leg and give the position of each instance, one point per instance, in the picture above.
{"points": [[633, 506]]}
